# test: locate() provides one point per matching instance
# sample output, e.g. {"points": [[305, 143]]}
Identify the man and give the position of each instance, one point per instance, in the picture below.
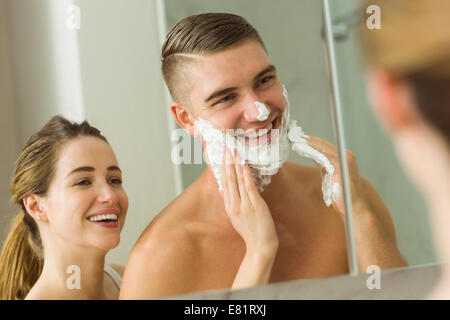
{"points": [[216, 67]]}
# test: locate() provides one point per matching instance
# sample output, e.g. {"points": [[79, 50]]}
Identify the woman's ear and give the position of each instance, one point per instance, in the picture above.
{"points": [[184, 117], [391, 100], [35, 207]]}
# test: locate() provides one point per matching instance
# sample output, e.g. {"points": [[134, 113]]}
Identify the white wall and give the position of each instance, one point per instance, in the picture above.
{"points": [[8, 130]]}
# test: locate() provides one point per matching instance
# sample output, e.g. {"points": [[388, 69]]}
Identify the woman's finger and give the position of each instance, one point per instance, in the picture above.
{"points": [[231, 181], [240, 178], [225, 189], [253, 193]]}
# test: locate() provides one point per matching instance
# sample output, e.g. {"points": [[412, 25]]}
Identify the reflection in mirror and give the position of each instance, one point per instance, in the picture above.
{"points": [[303, 223], [208, 240]]}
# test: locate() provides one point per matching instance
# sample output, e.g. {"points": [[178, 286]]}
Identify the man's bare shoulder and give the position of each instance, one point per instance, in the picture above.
{"points": [[165, 258], [302, 170], [176, 221]]}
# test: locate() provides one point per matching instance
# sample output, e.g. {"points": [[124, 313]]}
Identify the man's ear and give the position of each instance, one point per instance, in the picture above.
{"points": [[391, 100], [35, 207], [184, 117]]}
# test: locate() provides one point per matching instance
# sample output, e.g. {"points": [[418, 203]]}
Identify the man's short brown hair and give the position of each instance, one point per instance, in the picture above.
{"points": [[200, 34]]}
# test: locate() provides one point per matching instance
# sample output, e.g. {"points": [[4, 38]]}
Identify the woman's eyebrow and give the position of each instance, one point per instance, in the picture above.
{"points": [[81, 169], [114, 168], [91, 169]]}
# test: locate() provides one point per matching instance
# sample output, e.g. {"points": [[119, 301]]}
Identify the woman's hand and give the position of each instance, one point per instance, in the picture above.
{"points": [[248, 212], [251, 218]]}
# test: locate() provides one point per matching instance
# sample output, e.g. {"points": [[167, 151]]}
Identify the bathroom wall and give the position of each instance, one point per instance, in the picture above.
{"points": [[8, 133]]}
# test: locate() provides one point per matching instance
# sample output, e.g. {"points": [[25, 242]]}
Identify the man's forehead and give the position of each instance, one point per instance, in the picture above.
{"points": [[247, 55], [231, 67]]}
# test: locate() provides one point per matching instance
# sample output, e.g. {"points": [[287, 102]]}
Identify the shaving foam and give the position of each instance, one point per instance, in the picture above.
{"points": [[299, 143], [263, 111], [264, 159]]}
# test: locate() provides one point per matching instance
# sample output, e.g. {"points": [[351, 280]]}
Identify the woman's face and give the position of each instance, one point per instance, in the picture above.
{"points": [[86, 204]]}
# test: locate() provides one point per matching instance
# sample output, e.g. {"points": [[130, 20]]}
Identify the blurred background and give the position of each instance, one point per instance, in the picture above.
{"points": [[108, 72]]}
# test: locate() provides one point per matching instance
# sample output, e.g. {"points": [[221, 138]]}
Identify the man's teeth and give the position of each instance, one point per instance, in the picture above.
{"points": [[255, 134], [104, 217]]}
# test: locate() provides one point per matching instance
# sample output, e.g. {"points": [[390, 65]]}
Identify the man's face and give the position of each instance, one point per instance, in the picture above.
{"points": [[227, 84]]}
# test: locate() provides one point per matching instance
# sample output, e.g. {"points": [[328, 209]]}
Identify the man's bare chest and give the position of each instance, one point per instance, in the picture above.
{"points": [[306, 250]]}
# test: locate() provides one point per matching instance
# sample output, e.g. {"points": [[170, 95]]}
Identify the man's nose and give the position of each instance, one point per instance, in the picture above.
{"points": [[108, 195], [251, 111]]}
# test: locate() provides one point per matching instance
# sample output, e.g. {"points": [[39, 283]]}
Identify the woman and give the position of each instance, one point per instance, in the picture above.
{"points": [[69, 186], [409, 87], [68, 183]]}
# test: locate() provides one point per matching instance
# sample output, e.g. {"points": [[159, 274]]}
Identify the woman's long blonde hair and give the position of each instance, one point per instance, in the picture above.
{"points": [[21, 259]]}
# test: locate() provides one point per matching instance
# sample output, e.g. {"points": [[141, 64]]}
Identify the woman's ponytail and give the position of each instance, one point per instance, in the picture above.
{"points": [[20, 263]]}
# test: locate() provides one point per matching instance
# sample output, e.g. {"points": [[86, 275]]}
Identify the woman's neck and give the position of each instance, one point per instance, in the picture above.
{"points": [[75, 273]]}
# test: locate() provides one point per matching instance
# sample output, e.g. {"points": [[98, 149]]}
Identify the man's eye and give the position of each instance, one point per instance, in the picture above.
{"points": [[266, 79], [83, 183], [226, 99]]}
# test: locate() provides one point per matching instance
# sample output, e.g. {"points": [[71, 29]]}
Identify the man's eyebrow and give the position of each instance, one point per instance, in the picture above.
{"points": [[222, 92], [219, 93], [270, 68], [91, 169]]}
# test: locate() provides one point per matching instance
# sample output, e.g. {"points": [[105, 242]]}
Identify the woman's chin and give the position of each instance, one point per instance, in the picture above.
{"points": [[106, 243]]}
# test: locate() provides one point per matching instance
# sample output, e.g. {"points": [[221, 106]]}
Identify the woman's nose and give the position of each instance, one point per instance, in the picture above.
{"points": [[108, 195]]}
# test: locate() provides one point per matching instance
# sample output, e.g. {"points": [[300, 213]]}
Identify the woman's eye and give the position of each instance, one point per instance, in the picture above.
{"points": [[115, 181]]}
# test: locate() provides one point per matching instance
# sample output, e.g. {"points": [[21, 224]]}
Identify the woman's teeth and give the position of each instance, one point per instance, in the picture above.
{"points": [[258, 133], [104, 217]]}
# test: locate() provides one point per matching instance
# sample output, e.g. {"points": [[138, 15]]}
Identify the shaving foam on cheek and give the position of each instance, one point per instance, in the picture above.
{"points": [[214, 141], [263, 111], [264, 159]]}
